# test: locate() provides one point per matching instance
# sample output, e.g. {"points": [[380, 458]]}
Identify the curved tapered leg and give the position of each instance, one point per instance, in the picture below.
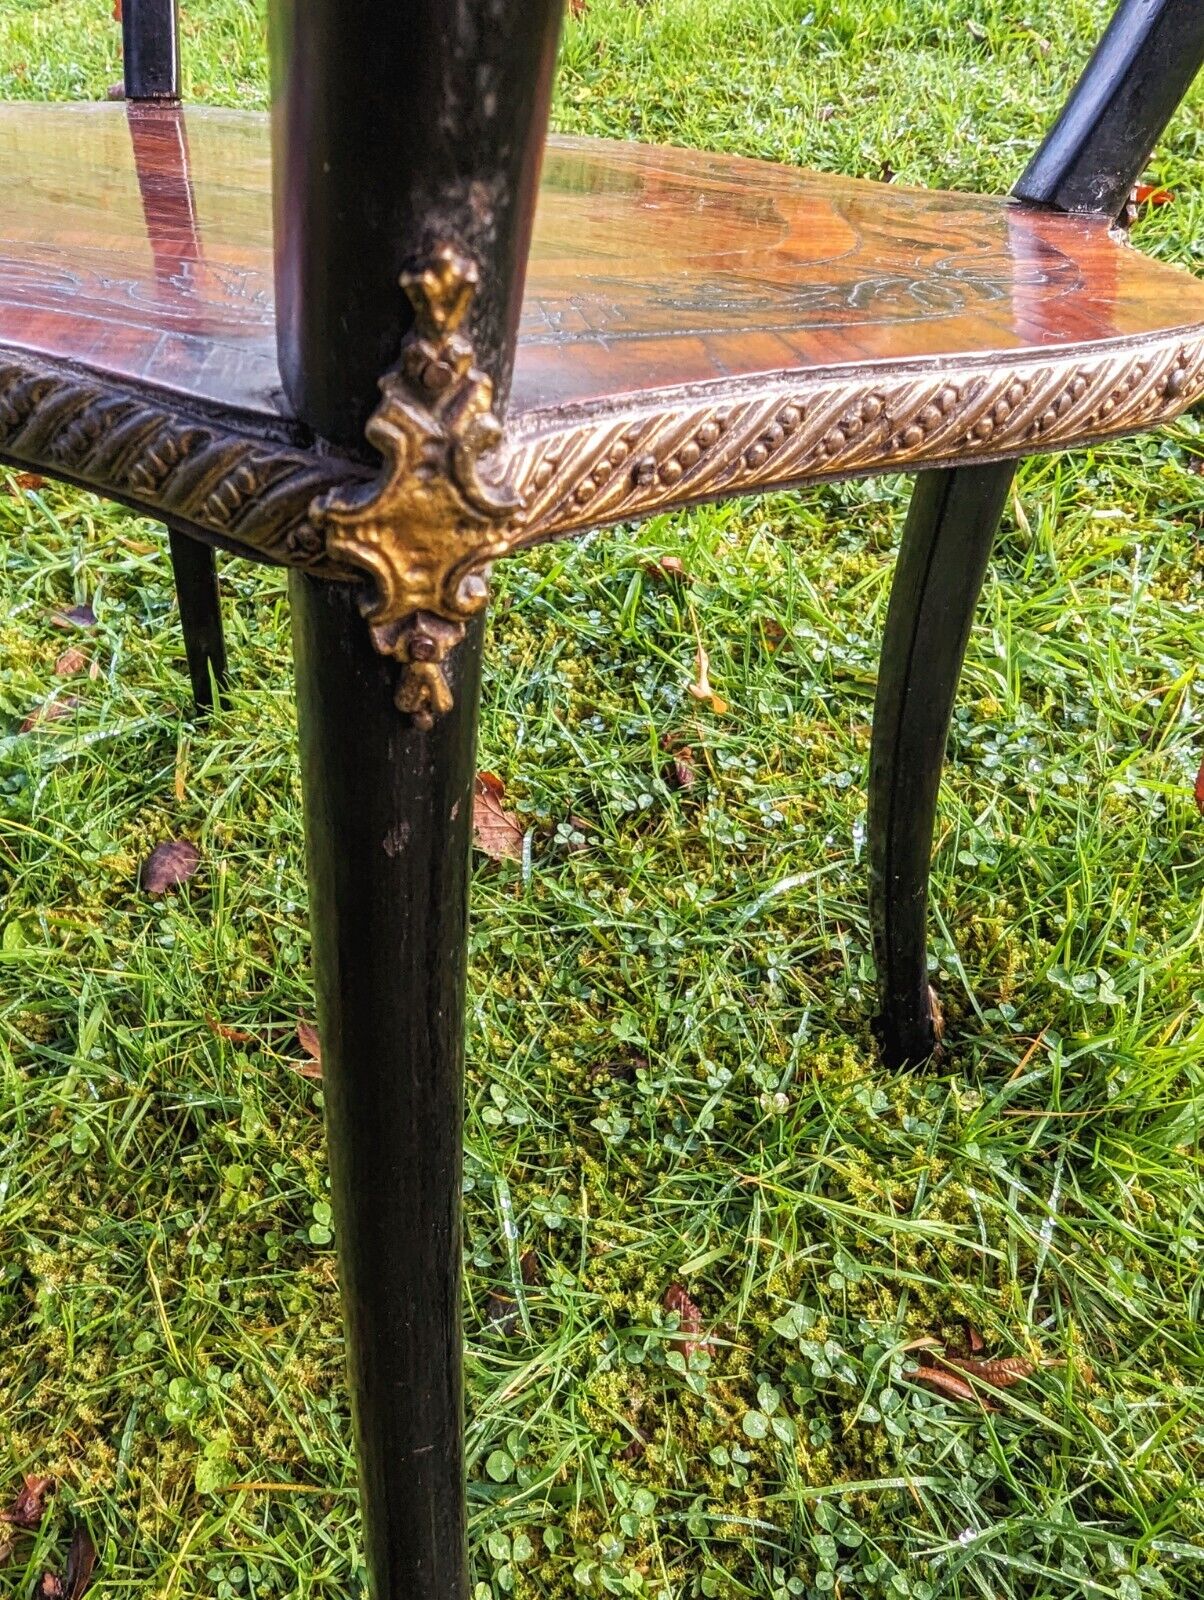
{"points": [[388, 809], [195, 568], [942, 563]]}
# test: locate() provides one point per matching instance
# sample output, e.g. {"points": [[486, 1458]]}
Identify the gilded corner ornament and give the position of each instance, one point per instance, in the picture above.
{"points": [[426, 529]]}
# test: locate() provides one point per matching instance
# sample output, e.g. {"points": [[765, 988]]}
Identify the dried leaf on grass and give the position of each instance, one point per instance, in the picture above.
{"points": [[501, 1313], [1001, 1373], [953, 1373], [81, 1563], [77, 617], [669, 567], [946, 1383], [772, 632], [225, 1031], [28, 1509], [169, 864], [310, 1041], [72, 661], [54, 710], [679, 773], [77, 1580], [689, 1320], [27, 481], [496, 832], [702, 688]]}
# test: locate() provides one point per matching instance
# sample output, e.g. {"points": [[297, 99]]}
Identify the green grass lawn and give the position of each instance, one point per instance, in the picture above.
{"points": [[672, 1084]]}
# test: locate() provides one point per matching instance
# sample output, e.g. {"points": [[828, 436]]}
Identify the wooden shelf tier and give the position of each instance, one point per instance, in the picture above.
{"points": [[693, 325]]}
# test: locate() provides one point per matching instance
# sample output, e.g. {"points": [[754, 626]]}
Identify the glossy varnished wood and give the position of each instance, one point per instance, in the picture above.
{"points": [[650, 268]]}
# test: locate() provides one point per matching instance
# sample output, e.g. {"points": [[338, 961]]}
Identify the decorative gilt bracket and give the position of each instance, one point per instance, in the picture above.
{"points": [[426, 529]]}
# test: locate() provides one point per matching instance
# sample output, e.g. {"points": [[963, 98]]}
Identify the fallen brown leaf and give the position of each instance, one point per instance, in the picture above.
{"points": [[578, 8], [949, 1384], [701, 688], [1149, 194], [224, 1031], [169, 864], [28, 481], [310, 1041], [501, 1312], [50, 1587], [81, 1563], [71, 661], [50, 711], [689, 1320], [29, 1507], [679, 773], [668, 567], [496, 832], [1001, 1373], [77, 617]]}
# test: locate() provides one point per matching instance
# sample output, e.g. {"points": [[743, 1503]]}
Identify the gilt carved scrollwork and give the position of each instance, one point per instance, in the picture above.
{"points": [[426, 530], [249, 490]]}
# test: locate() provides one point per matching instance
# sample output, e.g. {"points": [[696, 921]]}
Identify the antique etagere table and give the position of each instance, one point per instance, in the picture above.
{"points": [[391, 335]]}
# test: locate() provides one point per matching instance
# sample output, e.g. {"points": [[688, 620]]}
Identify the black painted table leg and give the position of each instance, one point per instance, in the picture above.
{"points": [[388, 813], [942, 563], [195, 567]]}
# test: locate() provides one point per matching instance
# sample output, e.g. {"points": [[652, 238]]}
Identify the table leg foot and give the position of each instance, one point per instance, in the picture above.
{"points": [[195, 567], [942, 563]]}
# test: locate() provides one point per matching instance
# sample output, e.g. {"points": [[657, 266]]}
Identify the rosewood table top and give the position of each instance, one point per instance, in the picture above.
{"points": [[692, 324]]}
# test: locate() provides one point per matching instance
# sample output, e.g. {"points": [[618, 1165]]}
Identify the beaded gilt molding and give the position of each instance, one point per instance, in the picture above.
{"points": [[626, 463], [456, 491]]}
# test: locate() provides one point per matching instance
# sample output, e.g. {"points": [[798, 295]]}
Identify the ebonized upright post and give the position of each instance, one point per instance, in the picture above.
{"points": [[194, 568], [398, 130], [150, 45], [1131, 88], [1094, 153], [150, 39]]}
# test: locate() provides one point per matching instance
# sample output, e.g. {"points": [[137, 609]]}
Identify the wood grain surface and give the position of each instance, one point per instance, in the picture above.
{"points": [[137, 242]]}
